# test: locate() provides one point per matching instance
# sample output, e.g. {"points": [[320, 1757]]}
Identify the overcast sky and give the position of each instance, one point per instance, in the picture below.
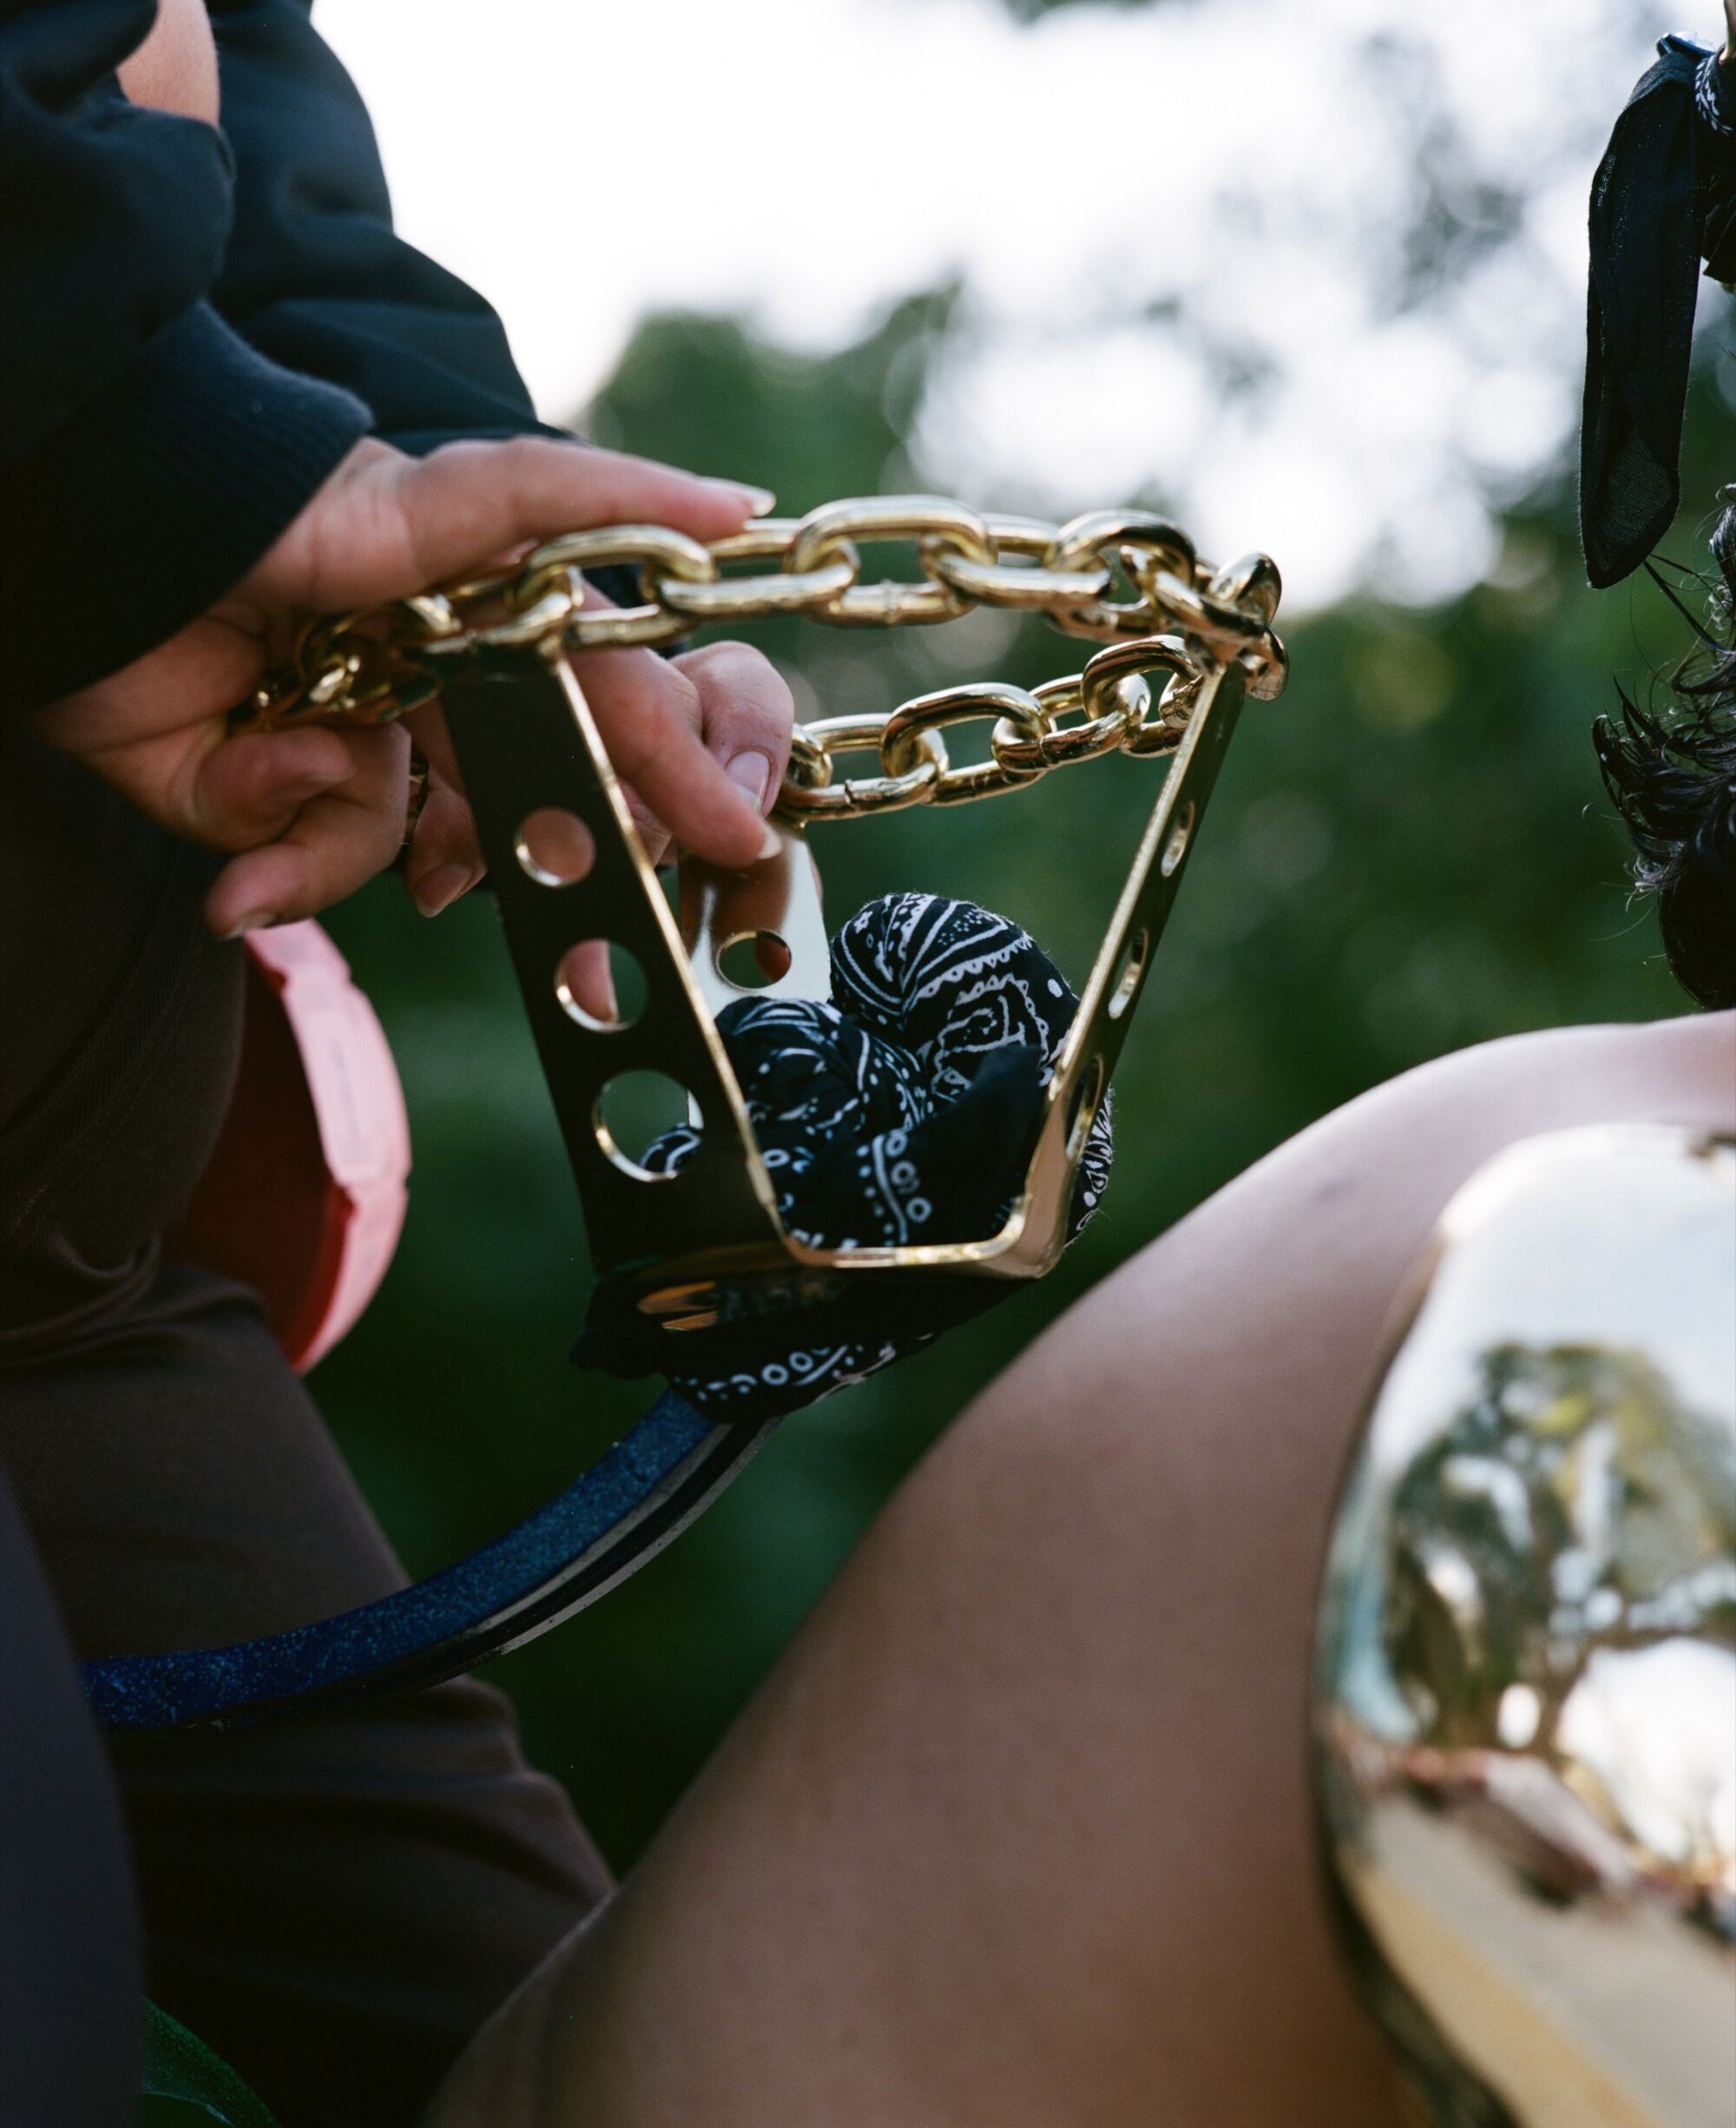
{"points": [[1312, 270]]}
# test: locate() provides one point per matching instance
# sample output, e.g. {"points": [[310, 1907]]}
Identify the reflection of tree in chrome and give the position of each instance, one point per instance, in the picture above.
{"points": [[1574, 1507]]}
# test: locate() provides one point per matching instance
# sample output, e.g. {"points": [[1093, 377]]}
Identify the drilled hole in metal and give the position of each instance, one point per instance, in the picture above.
{"points": [[1132, 973], [1086, 1096], [554, 847], [1180, 836], [751, 960], [633, 1111], [601, 985]]}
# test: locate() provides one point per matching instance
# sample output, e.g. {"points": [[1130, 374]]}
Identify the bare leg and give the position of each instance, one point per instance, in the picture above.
{"points": [[1019, 1832]]}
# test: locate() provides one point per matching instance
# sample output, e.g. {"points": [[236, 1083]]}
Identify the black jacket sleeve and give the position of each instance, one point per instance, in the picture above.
{"points": [[315, 277], [149, 454]]}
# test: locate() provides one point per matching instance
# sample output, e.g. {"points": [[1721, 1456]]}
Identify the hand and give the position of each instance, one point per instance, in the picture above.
{"points": [[311, 814], [174, 68]]}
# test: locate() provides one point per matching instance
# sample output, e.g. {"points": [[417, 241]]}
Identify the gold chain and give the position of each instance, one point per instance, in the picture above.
{"points": [[1185, 618]]}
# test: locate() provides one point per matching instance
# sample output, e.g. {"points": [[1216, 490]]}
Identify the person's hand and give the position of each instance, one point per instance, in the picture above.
{"points": [[1727, 57], [311, 814], [174, 68]]}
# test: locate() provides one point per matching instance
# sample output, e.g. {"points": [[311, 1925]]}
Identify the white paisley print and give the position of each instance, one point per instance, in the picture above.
{"points": [[902, 1112]]}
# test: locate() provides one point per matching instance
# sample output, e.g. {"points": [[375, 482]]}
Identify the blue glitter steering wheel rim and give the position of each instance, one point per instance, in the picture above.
{"points": [[638, 1495]]}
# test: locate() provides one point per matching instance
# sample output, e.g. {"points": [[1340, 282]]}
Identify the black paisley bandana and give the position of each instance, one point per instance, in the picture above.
{"points": [[902, 1112]]}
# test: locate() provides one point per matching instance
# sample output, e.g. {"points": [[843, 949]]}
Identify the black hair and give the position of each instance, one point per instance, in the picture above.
{"points": [[1672, 777]]}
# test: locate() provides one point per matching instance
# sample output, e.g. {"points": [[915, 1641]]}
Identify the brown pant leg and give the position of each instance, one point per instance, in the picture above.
{"points": [[69, 1931], [334, 1903]]}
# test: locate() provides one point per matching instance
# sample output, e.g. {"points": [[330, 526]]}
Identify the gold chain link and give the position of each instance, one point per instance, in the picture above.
{"points": [[1185, 618]]}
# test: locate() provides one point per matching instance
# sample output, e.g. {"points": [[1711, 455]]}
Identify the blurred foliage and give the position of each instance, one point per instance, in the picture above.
{"points": [[1410, 852]]}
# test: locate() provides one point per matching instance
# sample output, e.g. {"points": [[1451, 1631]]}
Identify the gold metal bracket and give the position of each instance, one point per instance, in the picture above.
{"points": [[708, 1238]]}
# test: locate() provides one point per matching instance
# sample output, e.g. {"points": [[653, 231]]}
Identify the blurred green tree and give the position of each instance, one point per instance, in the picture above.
{"points": [[1410, 852]]}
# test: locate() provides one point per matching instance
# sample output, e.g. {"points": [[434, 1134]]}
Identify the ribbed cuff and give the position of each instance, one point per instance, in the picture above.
{"points": [[153, 499]]}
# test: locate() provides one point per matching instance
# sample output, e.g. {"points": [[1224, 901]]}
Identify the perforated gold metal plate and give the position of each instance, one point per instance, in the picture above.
{"points": [[527, 743]]}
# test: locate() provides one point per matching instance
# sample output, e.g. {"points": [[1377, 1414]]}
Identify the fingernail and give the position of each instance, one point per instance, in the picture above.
{"points": [[441, 888], [771, 842], [255, 920], [750, 773], [309, 782], [761, 501]]}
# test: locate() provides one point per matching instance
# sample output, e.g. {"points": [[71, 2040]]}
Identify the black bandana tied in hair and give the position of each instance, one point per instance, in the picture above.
{"points": [[904, 1111], [1663, 198]]}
